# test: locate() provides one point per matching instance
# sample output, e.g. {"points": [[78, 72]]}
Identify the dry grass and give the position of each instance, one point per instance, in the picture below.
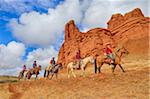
{"points": [[134, 84]]}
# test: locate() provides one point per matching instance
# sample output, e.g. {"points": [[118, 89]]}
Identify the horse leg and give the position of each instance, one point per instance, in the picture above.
{"points": [[113, 68], [72, 71], [52, 76], [35, 77], [99, 68], [95, 65], [83, 71], [44, 73], [68, 72], [22, 75], [95, 68], [26, 76], [56, 75], [121, 68], [48, 74], [19, 76], [29, 76]]}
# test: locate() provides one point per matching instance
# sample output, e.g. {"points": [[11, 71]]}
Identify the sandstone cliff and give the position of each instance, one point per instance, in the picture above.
{"points": [[131, 30]]}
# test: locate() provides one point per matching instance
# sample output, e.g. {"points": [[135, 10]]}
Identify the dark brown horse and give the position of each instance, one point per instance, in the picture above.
{"points": [[33, 71], [118, 56]]}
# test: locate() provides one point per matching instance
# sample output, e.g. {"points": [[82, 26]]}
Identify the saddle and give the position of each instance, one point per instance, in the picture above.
{"points": [[32, 71]]}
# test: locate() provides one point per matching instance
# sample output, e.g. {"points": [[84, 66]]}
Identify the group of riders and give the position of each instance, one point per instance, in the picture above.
{"points": [[52, 63], [107, 50]]}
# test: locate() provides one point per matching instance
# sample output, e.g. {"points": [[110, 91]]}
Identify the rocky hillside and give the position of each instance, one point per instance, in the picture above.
{"points": [[130, 30]]}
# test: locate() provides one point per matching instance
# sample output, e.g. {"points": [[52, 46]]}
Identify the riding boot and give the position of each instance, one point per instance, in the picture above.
{"points": [[78, 66]]}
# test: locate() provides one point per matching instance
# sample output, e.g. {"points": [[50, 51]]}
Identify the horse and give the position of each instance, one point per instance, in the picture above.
{"points": [[21, 74], [73, 65], [33, 71], [117, 61], [52, 70]]}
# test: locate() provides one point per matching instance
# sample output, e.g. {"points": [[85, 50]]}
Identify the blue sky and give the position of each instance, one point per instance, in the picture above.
{"points": [[33, 29]]}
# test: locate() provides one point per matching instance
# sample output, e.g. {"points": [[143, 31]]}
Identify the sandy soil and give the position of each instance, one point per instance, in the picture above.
{"points": [[133, 84]]}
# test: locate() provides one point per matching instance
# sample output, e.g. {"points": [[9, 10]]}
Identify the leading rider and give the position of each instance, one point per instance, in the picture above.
{"points": [[108, 52]]}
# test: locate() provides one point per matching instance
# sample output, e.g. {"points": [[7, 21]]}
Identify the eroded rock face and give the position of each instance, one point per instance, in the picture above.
{"points": [[89, 43], [118, 19], [130, 30], [115, 20]]}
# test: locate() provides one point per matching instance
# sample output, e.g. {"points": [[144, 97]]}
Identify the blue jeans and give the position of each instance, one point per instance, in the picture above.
{"points": [[111, 56]]}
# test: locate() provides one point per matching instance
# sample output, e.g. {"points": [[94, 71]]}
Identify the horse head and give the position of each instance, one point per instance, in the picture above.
{"points": [[60, 66], [124, 51], [39, 67]]}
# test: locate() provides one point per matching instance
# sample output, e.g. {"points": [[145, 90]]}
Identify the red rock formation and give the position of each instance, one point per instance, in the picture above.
{"points": [[71, 30], [115, 20], [130, 30]]}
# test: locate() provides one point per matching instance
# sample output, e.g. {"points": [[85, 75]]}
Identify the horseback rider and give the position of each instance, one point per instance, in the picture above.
{"points": [[109, 53], [24, 68], [34, 64], [78, 59], [21, 74], [52, 63]]}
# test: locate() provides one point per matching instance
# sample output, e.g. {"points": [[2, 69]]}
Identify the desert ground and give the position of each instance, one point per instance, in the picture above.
{"points": [[133, 84]]}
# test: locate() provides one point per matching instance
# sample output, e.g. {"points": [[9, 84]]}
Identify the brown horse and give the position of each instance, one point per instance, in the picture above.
{"points": [[33, 71], [117, 61]]}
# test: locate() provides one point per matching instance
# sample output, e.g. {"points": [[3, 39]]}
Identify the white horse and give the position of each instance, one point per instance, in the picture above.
{"points": [[52, 70], [71, 66]]}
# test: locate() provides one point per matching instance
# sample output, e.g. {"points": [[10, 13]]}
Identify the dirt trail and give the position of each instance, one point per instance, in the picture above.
{"points": [[134, 83]]}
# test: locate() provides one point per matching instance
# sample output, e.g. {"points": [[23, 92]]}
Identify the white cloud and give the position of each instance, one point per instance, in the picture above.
{"points": [[45, 29], [99, 12], [11, 55]]}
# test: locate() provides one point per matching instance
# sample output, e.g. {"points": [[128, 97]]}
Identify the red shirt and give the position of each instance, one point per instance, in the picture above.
{"points": [[78, 56], [108, 51], [24, 68]]}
